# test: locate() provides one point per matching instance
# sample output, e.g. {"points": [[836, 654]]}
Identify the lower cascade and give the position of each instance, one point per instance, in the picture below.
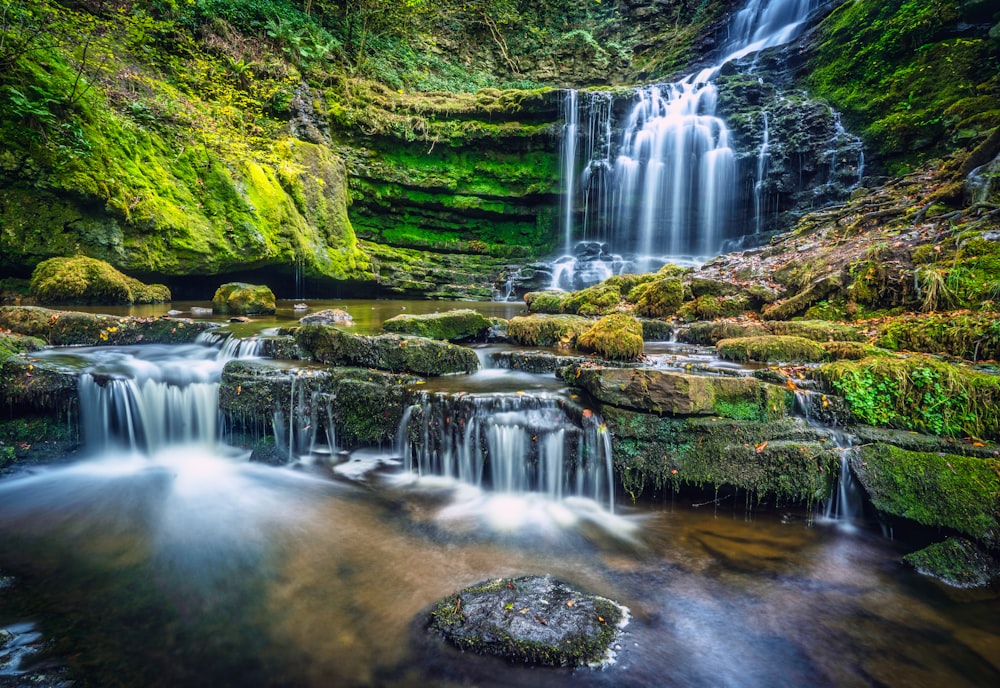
{"points": [[510, 444]]}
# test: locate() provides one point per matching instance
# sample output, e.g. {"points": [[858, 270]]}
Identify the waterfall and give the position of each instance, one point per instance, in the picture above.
{"points": [[665, 190], [509, 444], [758, 187]]}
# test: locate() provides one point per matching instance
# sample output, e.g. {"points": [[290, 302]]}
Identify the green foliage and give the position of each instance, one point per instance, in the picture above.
{"points": [[617, 337], [918, 393]]}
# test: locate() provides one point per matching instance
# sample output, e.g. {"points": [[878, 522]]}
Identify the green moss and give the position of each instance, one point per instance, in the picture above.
{"points": [[955, 561], [710, 332], [13, 343], [617, 337], [769, 460], [547, 330], [896, 68], [918, 393], [657, 298], [975, 336], [81, 280], [938, 490], [817, 330], [851, 351], [599, 299], [545, 301], [771, 348], [242, 298], [66, 328], [455, 325]]}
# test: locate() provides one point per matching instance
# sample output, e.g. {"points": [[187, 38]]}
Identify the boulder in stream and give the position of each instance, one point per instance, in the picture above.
{"points": [[533, 619], [240, 298]]}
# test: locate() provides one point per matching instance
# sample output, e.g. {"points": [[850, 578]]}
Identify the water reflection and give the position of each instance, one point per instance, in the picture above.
{"points": [[191, 568]]}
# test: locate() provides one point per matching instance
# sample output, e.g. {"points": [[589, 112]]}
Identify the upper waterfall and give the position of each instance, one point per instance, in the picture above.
{"points": [[661, 184]]}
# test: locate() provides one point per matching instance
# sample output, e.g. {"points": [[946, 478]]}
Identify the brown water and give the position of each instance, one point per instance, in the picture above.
{"points": [[192, 569]]}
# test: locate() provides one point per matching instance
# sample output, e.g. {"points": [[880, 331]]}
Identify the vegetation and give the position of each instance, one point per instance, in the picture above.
{"points": [[617, 337], [918, 393]]}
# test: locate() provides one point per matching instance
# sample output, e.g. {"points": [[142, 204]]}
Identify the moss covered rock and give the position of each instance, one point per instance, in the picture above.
{"points": [[658, 298], [617, 337], [974, 336], [771, 349], [456, 325], [532, 619], [240, 298], [917, 392], [708, 333], [68, 328], [364, 406], [956, 562], [679, 394], [394, 353], [81, 280], [934, 489], [550, 301], [783, 460], [817, 330], [12, 343], [547, 330]]}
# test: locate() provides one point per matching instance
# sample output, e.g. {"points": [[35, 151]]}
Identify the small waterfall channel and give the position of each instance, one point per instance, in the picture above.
{"points": [[665, 190]]}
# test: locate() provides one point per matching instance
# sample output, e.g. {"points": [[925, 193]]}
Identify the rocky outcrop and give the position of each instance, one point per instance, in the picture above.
{"points": [[531, 619]]}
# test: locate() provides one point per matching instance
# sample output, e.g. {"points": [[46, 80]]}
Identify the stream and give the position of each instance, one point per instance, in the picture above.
{"points": [[179, 563]]}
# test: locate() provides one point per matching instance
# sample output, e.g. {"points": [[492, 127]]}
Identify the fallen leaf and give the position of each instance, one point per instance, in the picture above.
{"points": [[760, 447]]}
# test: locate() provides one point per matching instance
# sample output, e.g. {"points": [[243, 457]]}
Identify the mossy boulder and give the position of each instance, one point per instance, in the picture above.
{"points": [[12, 343], [550, 301], [455, 325], [390, 352], [679, 394], [599, 299], [784, 460], [547, 330], [531, 619], [617, 337], [68, 328], [658, 298], [934, 489], [771, 349], [240, 298], [80, 280], [917, 392], [32, 387], [956, 562], [708, 307]]}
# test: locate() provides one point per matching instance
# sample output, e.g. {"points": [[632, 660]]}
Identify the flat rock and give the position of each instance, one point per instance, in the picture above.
{"points": [[534, 619]]}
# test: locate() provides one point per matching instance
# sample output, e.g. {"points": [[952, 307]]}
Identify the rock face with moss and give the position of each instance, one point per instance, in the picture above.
{"points": [[240, 298], [532, 619], [617, 337], [957, 562], [69, 328]]}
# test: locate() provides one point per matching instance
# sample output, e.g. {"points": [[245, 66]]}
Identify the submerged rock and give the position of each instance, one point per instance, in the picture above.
{"points": [[533, 619], [329, 316]]}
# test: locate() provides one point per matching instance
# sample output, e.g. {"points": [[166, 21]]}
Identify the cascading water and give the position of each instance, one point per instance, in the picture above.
{"points": [[509, 443], [665, 191]]}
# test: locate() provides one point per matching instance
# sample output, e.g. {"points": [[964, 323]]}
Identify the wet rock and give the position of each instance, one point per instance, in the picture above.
{"points": [[673, 393], [534, 361], [771, 348], [68, 328], [241, 298], [932, 488], [329, 316], [532, 619], [456, 325], [784, 460], [389, 352], [956, 562]]}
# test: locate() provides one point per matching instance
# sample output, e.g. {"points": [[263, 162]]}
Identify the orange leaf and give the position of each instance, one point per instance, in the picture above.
{"points": [[760, 447]]}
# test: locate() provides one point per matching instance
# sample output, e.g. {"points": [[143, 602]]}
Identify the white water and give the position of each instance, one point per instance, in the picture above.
{"points": [[667, 194]]}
